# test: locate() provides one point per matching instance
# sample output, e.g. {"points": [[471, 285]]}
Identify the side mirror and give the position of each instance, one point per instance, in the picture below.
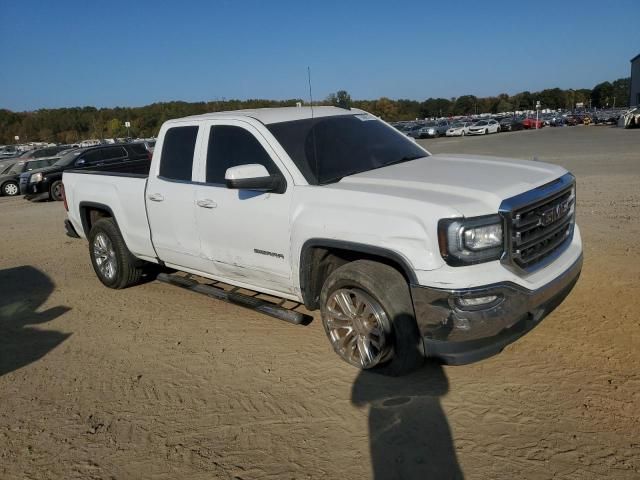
{"points": [[79, 162], [254, 176]]}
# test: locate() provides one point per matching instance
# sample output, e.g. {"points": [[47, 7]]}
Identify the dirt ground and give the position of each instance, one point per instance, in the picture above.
{"points": [[155, 382]]}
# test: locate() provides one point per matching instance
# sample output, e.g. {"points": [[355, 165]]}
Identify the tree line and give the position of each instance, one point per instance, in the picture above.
{"points": [[70, 125]]}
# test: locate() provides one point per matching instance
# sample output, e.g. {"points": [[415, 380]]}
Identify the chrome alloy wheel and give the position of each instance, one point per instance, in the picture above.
{"points": [[355, 323], [105, 256]]}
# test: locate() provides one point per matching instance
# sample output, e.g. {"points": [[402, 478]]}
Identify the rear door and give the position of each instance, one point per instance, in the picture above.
{"points": [[170, 198], [244, 234]]}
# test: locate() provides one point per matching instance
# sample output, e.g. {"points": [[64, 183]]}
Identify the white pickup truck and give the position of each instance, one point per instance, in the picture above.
{"points": [[406, 254]]}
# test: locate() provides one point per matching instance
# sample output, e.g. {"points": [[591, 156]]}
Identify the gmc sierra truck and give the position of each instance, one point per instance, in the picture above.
{"points": [[407, 255]]}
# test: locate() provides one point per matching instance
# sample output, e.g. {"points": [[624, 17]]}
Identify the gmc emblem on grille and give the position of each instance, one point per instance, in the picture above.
{"points": [[554, 213]]}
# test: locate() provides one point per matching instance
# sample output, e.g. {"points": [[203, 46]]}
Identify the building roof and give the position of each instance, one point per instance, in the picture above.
{"points": [[277, 115], [635, 58]]}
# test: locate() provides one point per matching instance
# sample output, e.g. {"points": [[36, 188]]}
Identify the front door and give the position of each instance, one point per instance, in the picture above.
{"points": [[244, 233]]}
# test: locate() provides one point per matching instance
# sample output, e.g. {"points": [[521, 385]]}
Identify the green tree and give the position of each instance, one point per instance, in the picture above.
{"points": [[504, 106], [113, 128], [466, 105], [343, 99], [602, 95], [620, 91]]}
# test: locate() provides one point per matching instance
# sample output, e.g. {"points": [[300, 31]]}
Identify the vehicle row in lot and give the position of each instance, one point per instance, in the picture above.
{"points": [[10, 175], [42, 178], [462, 126]]}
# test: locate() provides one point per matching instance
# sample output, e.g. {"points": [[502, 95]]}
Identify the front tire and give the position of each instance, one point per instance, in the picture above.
{"points": [[368, 317], [112, 261], [10, 189], [55, 192]]}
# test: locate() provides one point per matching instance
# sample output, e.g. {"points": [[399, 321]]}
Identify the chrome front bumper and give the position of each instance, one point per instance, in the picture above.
{"points": [[458, 335]]}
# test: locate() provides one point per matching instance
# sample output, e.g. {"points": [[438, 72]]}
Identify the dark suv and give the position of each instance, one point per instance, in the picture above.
{"points": [[47, 182], [9, 179]]}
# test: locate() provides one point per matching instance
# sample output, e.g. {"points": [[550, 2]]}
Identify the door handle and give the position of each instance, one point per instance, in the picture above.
{"points": [[155, 197], [206, 203]]}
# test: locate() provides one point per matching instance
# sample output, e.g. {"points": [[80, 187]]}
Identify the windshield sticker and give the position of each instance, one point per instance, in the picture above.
{"points": [[365, 117]]}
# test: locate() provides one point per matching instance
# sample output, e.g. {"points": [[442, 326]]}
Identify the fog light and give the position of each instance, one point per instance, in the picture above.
{"points": [[475, 302]]}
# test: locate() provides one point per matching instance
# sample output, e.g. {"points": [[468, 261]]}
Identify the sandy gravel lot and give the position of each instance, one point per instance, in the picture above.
{"points": [[155, 382]]}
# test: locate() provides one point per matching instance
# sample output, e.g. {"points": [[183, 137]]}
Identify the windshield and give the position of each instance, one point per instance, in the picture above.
{"points": [[68, 158], [326, 149], [481, 122]]}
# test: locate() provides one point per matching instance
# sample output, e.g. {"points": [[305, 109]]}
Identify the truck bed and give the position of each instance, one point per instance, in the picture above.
{"points": [[118, 189]]}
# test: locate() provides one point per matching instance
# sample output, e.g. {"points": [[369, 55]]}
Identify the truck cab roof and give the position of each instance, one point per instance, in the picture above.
{"points": [[276, 115]]}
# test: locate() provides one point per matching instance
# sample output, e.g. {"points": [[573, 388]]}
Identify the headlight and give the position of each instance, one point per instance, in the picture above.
{"points": [[431, 131], [36, 177], [465, 241]]}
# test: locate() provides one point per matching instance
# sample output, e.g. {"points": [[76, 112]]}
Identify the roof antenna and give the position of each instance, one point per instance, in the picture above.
{"points": [[310, 95]]}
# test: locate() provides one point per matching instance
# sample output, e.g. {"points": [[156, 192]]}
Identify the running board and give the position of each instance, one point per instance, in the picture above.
{"points": [[262, 306]]}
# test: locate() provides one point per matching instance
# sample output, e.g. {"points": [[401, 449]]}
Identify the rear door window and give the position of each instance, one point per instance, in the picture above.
{"points": [[90, 158], [230, 146], [176, 161], [111, 154]]}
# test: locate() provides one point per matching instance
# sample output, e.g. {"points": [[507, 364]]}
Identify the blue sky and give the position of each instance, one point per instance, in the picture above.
{"points": [[117, 53]]}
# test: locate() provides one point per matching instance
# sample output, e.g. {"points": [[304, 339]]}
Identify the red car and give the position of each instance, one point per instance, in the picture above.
{"points": [[532, 123]]}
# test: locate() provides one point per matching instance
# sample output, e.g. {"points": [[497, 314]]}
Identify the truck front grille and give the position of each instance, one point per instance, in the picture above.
{"points": [[539, 223]]}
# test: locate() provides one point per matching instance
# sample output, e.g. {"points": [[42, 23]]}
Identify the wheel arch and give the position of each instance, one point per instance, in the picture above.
{"points": [[90, 212], [319, 257]]}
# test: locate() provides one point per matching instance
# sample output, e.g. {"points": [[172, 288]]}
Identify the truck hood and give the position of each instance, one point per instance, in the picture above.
{"points": [[470, 184]]}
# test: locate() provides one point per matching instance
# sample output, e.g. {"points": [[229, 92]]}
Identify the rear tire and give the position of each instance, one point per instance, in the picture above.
{"points": [[55, 192], [10, 189], [112, 261], [380, 317]]}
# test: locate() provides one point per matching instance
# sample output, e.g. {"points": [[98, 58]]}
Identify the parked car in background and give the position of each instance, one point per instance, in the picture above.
{"points": [[433, 129], [42, 152], [458, 129], [8, 151], [505, 124], [47, 182], [10, 178], [484, 127], [149, 145], [530, 123], [572, 120], [415, 131]]}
